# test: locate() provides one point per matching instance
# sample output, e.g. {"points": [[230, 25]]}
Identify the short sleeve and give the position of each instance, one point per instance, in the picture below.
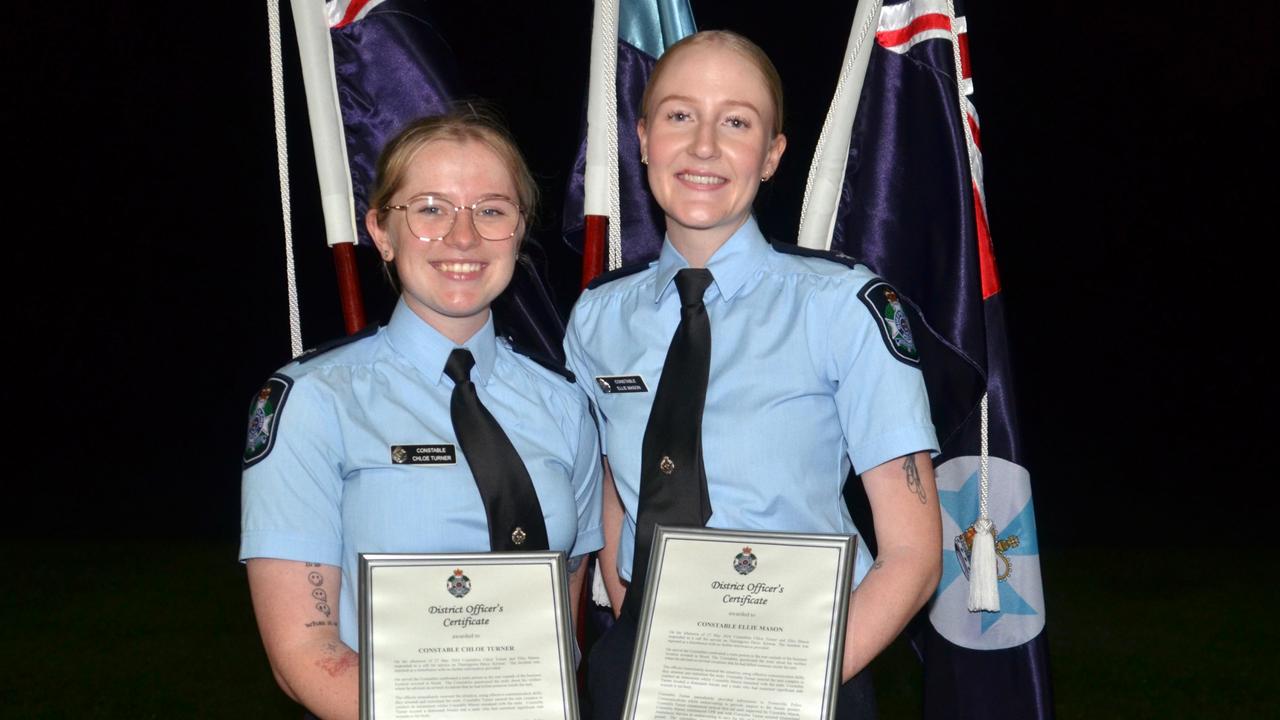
{"points": [[880, 396], [290, 496], [576, 360], [588, 478]]}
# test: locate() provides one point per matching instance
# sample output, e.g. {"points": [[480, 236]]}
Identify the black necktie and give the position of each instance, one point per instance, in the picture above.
{"points": [[673, 480], [510, 501]]}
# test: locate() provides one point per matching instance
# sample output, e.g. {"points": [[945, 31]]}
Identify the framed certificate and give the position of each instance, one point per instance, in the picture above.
{"points": [[741, 624], [475, 635]]}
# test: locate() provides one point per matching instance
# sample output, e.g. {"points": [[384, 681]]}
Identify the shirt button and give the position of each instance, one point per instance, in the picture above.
{"points": [[518, 535]]}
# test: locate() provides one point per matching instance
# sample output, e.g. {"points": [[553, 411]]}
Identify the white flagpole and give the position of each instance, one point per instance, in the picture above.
{"points": [[826, 174], [600, 179], [312, 24]]}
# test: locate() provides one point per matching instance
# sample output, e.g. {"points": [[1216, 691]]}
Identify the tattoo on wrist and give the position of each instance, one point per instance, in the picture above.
{"points": [[321, 623], [913, 479]]}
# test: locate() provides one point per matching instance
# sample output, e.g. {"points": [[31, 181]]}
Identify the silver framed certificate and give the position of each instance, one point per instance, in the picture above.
{"points": [[475, 635], [741, 624]]}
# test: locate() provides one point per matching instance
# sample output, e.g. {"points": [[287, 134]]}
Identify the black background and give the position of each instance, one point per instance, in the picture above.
{"points": [[1129, 173]]}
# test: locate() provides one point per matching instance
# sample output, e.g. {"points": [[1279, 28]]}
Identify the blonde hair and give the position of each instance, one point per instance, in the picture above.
{"points": [[467, 122], [732, 41]]}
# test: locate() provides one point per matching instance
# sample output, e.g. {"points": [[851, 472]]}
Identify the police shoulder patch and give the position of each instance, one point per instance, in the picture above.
{"points": [[545, 361], [621, 272], [335, 343], [790, 249], [886, 307], [264, 415]]}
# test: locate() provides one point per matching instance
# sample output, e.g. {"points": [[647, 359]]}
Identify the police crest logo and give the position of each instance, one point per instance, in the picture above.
{"points": [[264, 412], [458, 584], [886, 306], [744, 562]]}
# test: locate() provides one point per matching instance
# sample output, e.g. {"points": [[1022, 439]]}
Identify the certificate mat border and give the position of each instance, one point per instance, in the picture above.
{"points": [[845, 545], [555, 560]]}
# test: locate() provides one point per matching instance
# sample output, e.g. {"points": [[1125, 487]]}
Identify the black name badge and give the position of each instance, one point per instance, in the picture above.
{"points": [[423, 455], [621, 383]]}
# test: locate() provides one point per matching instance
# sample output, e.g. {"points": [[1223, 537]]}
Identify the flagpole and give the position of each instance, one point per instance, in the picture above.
{"points": [[316, 51], [601, 204], [826, 173]]}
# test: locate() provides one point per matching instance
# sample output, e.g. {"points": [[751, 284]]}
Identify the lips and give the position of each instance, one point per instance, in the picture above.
{"points": [[701, 180], [459, 269]]}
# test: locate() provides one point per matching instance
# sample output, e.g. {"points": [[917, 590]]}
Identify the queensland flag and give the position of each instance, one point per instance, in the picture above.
{"points": [[646, 28], [392, 66], [913, 209]]}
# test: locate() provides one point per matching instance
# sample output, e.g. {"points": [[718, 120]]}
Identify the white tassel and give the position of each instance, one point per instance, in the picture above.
{"points": [[982, 569]]}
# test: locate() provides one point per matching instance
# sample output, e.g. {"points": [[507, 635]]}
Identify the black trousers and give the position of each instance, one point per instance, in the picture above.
{"points": [[609, 664]]}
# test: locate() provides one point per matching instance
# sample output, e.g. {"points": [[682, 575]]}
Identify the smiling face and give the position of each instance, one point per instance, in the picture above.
{"points": [[708, 137], [450, 283]]}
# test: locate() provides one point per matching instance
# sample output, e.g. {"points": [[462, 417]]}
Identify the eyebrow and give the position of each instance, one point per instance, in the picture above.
{"points": [[691, 101], [446, 196]]}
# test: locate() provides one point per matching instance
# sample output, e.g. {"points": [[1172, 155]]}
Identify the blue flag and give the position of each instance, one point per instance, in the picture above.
{"points": [[392, 67], [913, 209]]}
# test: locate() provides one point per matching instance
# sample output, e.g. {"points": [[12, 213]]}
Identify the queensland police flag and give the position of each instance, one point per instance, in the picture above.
{"points": [[646, 28], [914, 210], [392, 66]]}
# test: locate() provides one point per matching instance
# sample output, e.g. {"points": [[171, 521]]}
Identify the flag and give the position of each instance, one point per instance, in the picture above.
{"points": [[913, 208], [390, 66], [645, 29]]}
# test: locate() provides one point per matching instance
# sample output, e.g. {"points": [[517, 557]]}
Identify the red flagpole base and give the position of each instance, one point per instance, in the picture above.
{"points": [[344, 260]]}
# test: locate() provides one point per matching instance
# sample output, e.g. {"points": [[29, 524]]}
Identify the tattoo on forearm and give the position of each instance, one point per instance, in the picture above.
{"points": [[318, 594], [321, 623], [913, 479]]}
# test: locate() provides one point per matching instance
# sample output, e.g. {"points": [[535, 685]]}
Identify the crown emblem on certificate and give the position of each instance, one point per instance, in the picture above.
{"points": [[459, 584], [744, 562], [964, 552]]}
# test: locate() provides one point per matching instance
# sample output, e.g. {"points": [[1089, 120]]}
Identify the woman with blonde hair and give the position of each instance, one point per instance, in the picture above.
{"points": [[765, 372], [429, 435]]}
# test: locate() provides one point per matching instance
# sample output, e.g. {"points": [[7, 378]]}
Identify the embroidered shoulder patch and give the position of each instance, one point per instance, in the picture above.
{"points": [[883, 302], [264, 412]]}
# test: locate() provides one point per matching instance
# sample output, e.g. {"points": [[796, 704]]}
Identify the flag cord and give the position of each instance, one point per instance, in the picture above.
{"points": [[609, 33], [851, 59], [984, 594], [282, 163]]}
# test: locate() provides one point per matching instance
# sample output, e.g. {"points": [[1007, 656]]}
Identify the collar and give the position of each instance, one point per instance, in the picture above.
{"points": [[428, 350], [731, 265]]}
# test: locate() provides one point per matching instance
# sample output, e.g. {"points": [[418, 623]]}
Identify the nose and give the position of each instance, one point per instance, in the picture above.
{"points": [[705, 142], [463, 234]]}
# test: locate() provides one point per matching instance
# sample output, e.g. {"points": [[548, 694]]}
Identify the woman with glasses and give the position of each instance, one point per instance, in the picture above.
{"points": [[430, 434], [778, 370]]}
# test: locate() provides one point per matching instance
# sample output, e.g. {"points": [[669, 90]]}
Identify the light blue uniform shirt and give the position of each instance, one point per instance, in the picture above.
{"points": [[802, 385], [328, 488]]}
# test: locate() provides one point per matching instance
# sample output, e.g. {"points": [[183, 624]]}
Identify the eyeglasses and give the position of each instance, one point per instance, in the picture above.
{"points": [[431, 217]]}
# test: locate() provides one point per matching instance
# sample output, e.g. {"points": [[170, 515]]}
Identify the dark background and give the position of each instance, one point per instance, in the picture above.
{"points": [[1129, 158]]}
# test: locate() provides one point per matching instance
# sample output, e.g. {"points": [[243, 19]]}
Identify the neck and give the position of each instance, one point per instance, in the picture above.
{"points": [[697, 246], [457, 330]]}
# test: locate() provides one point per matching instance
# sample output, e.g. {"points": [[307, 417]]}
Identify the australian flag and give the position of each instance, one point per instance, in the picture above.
{"points": [[392, 66], [914, 210]]}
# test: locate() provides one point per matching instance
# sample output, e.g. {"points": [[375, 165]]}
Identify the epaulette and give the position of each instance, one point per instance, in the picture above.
{"points": [[325, 347], [621, 272], [791, 249], [549, 363]]}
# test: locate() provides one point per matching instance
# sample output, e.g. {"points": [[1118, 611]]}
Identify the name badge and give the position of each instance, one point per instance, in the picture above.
{"points": [[423, 455], [621, 383]]}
